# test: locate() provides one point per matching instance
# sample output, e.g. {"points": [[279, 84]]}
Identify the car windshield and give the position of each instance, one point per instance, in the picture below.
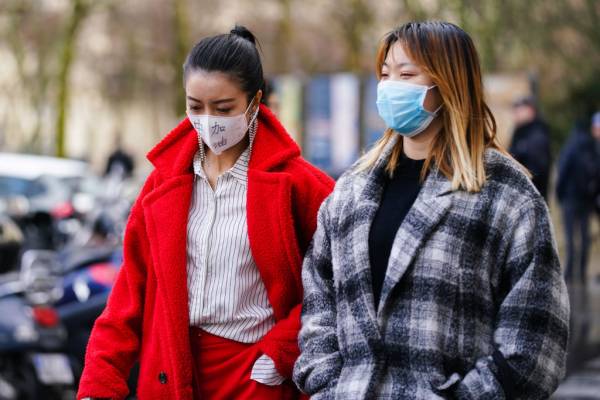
{"points": [[13, 186]]}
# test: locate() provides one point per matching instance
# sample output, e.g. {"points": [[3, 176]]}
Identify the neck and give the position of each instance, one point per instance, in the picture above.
{"points": [[419, 146], [215, 165]]}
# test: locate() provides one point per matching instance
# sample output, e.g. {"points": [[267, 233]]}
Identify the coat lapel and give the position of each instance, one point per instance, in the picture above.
{"points": [[270, 215], [359, 284], [166, 212], [429, 208]]}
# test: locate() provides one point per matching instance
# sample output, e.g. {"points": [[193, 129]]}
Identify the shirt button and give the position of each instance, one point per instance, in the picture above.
{"points": [[162, 378]]}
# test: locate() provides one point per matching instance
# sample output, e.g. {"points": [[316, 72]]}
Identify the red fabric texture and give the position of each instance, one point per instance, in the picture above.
{"points": [[222, 370], [146, 317]]}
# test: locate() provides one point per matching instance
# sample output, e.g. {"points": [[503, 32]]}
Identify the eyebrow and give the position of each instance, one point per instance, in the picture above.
{"points": [[220, 101], [406, 64]]}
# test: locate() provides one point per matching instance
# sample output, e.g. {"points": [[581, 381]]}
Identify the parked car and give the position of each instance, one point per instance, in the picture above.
{"points": [[40, 183], [45, 196]]}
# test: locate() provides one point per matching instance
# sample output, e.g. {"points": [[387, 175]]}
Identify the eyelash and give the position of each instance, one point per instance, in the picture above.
{"points": [[221, 110], [402, 75]]}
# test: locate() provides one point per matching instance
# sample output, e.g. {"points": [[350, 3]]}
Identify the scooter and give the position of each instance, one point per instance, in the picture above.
{"points": [[33, 361], [86, 287]]}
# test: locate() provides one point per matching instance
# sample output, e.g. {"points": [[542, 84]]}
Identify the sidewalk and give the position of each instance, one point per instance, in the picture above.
{"points": [[584, 385]]}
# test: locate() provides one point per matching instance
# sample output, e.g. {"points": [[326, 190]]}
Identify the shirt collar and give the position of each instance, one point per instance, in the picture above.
{"points": [[240, 169]]}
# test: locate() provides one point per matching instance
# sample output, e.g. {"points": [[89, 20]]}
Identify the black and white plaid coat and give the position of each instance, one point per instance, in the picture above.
{"points": [[473, 304]]}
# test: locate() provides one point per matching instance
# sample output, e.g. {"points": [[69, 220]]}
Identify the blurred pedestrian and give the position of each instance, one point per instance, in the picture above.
{"points": [[119, 163], [433, 273], [530, 143], [577, 189], [209, 295], [596, 135]]}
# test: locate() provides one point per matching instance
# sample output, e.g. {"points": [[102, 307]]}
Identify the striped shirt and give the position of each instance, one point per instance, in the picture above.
{"points": [[227, 296]]}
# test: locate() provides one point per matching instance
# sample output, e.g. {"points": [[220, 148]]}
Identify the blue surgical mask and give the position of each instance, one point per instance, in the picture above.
{"points": [[400, 104]]}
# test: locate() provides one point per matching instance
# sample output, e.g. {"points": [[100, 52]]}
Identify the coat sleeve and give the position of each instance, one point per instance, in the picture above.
{"points": [[281, 342], [317, 369], [115, 339], [532, 322]]}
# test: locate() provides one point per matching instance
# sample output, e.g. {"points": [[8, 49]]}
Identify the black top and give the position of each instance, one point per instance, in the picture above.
{"points": [[399, 194], [531, 147]]}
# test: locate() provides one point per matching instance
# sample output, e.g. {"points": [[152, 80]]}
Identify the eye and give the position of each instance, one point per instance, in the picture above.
{"points": [[224, 110]]}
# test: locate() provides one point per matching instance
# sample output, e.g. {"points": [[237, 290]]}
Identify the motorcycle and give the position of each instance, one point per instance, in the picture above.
{"points": [[33, 360], [87, 283]]}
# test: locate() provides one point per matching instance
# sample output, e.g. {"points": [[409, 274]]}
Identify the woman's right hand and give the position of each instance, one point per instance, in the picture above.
{"points": [[96, 398]]}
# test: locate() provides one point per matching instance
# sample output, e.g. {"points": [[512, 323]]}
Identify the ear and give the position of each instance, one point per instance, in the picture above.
{"points": [[258, 98]]}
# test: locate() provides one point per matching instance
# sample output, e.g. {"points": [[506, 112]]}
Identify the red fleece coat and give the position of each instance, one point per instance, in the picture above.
{"points": [[147, 313]]}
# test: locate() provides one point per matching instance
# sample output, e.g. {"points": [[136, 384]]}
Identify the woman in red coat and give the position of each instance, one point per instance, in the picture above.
{"points": [[209, 294]]}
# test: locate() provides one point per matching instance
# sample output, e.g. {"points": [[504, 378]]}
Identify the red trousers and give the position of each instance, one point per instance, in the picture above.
{"points": [[222, 370]]}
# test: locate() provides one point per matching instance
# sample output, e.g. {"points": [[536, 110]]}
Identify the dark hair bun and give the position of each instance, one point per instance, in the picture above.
{"points": [[243, 32], [235, 53]]}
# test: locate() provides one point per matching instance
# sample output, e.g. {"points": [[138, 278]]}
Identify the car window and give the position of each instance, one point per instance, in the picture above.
{"points": [[35, 188], [12, 186]]}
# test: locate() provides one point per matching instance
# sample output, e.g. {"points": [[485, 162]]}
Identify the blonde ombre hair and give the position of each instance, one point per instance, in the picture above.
{"points": [[446, 53]]}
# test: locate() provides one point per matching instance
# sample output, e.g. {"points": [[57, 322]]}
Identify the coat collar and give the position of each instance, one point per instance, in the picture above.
{"points": [[174, 155], [435, 185], [430, 206]]}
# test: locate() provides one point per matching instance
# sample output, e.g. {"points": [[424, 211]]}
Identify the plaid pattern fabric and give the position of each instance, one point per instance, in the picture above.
{"points": [[473, 304]]}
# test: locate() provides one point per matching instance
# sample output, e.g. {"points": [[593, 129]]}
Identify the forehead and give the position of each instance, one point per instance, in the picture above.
{"points": [[397, 56], [212, 83]]}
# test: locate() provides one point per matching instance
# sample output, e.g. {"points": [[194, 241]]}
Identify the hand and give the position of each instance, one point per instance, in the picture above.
{"points": [[96, 398]]}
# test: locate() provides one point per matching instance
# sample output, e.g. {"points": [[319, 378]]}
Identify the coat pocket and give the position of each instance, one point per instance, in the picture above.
{"points": [[156, 377]]}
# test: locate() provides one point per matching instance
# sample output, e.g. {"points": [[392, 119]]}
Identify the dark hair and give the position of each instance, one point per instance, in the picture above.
{"points": [[234, 53], [268, 89]]}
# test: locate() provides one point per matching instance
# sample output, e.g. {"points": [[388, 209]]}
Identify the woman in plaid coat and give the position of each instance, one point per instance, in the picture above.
{"points": [[470, 302]]}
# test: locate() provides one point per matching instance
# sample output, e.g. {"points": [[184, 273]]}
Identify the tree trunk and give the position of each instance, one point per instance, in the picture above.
{"points": [[80, 10], [181, 35]]}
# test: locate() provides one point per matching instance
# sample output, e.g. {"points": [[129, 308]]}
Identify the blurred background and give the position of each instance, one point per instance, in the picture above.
{"points": [[87, 87]]}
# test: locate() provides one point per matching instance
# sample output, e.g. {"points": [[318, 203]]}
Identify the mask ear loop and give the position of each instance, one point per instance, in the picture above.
{"points": [[252, 125], [202, 153], [435, 112], [250, 106]]}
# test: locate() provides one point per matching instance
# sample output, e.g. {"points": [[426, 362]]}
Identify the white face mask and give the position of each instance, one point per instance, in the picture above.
{"points": [[221, 133]]}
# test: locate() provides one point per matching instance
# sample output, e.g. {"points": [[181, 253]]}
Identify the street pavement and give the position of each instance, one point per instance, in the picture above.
{"points": [[582, 385]]}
